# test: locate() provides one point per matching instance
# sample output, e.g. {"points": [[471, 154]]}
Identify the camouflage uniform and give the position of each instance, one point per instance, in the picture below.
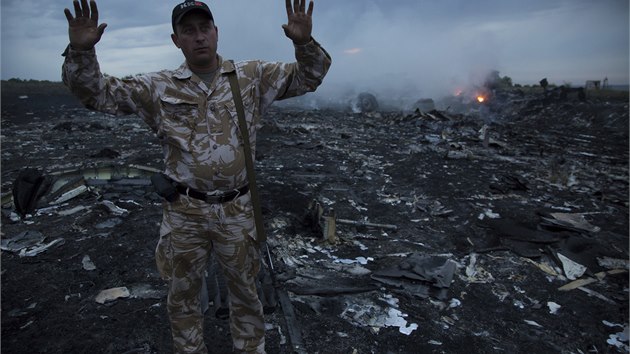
{"points": [[198, 128]]}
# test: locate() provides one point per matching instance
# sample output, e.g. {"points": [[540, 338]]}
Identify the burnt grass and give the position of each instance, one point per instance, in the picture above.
{"points": [[480, 205]]}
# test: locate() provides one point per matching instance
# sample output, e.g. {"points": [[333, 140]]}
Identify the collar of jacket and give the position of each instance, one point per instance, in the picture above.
{"points": [[184, 72]]}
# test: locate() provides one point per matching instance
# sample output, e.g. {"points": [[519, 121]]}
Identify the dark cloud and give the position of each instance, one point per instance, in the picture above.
{"points": [[408, 45]]}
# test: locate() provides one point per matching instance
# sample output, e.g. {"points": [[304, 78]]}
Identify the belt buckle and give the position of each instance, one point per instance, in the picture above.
{"points": [[228, 196], [212, 199], [221, 198]]}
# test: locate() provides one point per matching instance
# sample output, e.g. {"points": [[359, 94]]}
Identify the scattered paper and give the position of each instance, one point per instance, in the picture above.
{"points": [[572, 270], [112, 294], [532, 323], [87, 263], [553, 307]]}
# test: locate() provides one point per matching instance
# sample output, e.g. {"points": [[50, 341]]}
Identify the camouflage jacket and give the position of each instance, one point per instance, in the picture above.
{"points": [[197, 124]]}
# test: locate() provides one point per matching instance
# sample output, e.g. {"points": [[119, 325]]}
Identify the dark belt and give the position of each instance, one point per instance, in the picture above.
{"points": [[213, 199]]}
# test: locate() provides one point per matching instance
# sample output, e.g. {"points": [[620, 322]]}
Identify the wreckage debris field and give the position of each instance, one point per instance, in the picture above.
{"points": [[501, 227]]}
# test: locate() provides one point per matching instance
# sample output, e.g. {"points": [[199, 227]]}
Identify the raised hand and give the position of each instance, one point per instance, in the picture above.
{"points": [[83, 29], [300, 23]]}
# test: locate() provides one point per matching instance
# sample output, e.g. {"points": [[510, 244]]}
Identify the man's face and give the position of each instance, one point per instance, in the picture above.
{"points": [[197, 37]]}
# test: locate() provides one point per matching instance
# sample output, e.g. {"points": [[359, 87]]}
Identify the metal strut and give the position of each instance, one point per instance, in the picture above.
{"points": [[291, 321]]}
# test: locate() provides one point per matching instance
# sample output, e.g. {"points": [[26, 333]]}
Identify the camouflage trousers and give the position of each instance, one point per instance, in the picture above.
{"points": [[190, 230]]}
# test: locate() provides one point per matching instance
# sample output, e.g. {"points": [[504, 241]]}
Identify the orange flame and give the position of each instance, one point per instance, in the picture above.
{"points": [[480, 99]]}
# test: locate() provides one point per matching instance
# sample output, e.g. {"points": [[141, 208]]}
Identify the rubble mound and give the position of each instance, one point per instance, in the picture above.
{"points": [[366, 102]]}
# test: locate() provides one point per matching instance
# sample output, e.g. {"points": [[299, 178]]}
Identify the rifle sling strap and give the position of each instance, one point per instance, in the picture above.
{"points": [[261, 236]]}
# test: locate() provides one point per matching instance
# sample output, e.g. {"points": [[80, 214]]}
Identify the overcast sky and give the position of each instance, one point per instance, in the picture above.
{"points": [[395, 46]]}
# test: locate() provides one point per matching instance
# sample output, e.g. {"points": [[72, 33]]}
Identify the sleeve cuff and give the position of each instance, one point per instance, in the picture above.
{"points": [[69, 51], [305, 44]]}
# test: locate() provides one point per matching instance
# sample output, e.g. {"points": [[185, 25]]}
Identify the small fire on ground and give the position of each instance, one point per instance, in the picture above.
{"points": [[478, 95]]}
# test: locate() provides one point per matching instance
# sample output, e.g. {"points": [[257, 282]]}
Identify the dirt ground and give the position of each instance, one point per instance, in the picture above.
{"points": [[550, 177]]}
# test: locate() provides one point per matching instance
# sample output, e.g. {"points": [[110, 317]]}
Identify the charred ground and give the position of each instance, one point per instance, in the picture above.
{"points": [[480, 201]]}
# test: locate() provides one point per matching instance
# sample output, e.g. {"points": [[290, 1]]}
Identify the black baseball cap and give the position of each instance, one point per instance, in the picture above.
{"points": [[185, 7]]}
